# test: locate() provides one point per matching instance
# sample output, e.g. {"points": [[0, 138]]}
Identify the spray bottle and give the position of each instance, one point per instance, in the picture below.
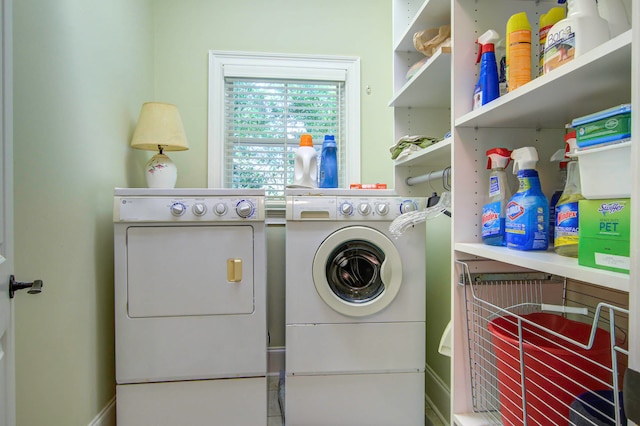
{"points": [[493, 212], [527, 215], [582, 30], [562, 160], [566, 230], [487, 88]]}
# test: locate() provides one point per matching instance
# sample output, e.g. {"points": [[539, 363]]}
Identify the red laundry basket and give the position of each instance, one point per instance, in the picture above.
{"points": [[555, 371]]}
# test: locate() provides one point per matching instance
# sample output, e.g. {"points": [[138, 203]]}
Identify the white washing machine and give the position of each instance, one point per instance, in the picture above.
{"points": [[190, 307], [355, 310]]}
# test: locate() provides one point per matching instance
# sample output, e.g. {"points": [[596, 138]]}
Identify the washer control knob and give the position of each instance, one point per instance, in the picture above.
{"points": [[220, 209], [244, 208], [408, 206], [382, 209], [178, 209], [199, 209], [346, 209], [364, 209]]}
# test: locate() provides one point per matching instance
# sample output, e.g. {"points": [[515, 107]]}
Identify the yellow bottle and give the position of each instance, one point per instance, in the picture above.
{"points": [[518, 51], [547, 20]]}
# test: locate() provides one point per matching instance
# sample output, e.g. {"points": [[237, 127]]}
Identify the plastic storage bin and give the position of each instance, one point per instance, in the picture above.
{"points": [[605, 171], [596, 408], [556, 371]]}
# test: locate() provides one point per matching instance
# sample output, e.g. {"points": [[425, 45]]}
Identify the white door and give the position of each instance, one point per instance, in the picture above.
{"points": [[7, 377]]}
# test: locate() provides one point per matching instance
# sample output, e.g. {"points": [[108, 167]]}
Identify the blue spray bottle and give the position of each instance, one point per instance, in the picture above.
{"points": [[493, 212], [527, 221], [488, 86]]}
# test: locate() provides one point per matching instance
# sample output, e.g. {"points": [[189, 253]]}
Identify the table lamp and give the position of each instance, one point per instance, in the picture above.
{"points": [[160, 128]]}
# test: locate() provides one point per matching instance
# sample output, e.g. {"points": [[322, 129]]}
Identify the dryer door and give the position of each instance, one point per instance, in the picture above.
{"points": [[357, 271]]}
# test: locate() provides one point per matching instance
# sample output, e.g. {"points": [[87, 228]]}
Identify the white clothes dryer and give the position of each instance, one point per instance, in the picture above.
{"points": [[190, 306], [355, 309]]}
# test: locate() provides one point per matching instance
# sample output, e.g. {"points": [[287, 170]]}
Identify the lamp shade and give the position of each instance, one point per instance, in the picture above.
{"points": [[159, 126]]}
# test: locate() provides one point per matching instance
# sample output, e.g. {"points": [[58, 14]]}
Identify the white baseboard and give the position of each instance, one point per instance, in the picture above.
{"points": [[106, 417], [442, 392], [275, 360]]}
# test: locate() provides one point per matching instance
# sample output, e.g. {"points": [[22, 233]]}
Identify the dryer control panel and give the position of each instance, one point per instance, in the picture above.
{"points": [[351, 208], [188, 209]]}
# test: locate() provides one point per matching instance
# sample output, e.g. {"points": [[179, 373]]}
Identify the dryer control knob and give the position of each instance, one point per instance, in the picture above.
{"points": [[178, 209], [220, 209], [382, 209], [244, 208], [364, 209], [408, 206], [346, 209], [199, 209]]}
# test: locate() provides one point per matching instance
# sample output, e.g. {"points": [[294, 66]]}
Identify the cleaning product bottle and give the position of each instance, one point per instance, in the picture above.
{"points": [[328, 163], [582, 30], [547, 20], [615, 14], [527, 216], [562, 160], [501, 57], [305, 169], [518, 51], [493, 212], [487, 88], [566, 231]]}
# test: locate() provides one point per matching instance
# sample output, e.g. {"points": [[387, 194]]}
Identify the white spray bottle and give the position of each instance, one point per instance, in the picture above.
{"points": [[493, 212]]}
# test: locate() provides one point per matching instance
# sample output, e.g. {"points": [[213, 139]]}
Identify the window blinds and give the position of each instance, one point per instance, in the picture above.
{"points": [[263, 121]]}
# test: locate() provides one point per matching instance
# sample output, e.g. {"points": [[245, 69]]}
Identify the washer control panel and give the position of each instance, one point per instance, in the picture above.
{"points": [[188, 209], [345, 208]]}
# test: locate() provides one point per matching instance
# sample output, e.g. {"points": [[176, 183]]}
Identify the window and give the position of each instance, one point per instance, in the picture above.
{"points": [[260, 104]]}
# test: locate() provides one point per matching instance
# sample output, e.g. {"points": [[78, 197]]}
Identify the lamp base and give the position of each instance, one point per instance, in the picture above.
{"points": [[161, 172]]}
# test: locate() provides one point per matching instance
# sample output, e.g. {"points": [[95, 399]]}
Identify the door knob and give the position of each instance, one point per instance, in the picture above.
{"points": [[34, 288]]}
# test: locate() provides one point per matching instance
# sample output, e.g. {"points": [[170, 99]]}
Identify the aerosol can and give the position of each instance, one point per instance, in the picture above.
{"points": [[487, 88], [527, 216], [493, 212]]}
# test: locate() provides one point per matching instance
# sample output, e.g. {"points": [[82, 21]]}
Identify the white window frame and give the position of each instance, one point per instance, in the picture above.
{"points": [[287, 66]]}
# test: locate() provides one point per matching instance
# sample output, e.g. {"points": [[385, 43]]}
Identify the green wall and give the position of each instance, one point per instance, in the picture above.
{"points": [[185, 31], [82, 68]]}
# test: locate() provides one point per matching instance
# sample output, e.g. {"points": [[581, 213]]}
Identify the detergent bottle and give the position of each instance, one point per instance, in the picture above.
{"points": [[615, 14], [527, 215], [547, 20], [566, 230], [305, 168], [518, 51], [493, 212], [328, 163], [487, 88], [582, 30], [561, 181]]}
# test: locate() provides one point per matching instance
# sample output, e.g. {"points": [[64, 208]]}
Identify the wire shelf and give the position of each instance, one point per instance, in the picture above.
{"points": [[543, 349]]}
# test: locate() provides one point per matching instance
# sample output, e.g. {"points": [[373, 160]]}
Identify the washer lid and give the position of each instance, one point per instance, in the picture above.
{"points": [[357, 271]]}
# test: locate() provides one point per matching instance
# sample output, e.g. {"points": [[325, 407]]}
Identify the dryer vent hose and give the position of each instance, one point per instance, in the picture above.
{"points": [[407, 220]]}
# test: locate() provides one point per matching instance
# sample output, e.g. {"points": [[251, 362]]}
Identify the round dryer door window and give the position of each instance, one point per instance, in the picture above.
{"points": [[357, 271]]}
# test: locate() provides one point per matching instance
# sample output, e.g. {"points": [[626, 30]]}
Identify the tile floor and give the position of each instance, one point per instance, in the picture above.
{"points": [[275, 414], [273, 405]]}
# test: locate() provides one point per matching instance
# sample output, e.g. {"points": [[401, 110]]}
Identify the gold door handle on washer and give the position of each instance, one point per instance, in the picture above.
{"points": [[234, 270]]}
